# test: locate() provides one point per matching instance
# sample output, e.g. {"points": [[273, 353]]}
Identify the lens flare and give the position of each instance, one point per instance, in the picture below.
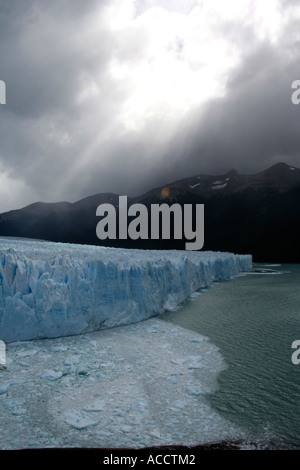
{"points": [[165, 192]]}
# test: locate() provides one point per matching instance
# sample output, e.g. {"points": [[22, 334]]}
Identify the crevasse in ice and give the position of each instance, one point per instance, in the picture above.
{"points": [[50, 289]]}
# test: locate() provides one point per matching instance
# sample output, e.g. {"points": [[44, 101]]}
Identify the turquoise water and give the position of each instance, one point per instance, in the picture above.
{"points": [[254, 319]]}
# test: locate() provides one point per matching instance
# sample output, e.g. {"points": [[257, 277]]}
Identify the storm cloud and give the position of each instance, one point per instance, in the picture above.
{"points": [[121, 96]]}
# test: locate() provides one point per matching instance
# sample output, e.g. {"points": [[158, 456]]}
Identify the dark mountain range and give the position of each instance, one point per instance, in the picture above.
{"points": [[257, 214]]}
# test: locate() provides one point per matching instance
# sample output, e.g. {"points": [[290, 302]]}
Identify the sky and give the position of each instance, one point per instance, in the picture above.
{"points": [[125, 95]]}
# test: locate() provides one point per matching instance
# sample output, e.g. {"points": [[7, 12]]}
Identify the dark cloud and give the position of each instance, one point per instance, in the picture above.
{"points": [[255, 125], [63, 131], [45, 58]]}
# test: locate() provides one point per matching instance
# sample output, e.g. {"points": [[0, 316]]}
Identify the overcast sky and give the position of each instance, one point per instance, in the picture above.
{"points": [[125, 95]]}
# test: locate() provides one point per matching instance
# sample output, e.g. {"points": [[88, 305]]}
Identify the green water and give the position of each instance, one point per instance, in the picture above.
{"points": [[254, 320]]}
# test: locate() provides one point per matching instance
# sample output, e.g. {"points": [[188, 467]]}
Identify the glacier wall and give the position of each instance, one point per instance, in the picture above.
{"points": [[50, 289]]}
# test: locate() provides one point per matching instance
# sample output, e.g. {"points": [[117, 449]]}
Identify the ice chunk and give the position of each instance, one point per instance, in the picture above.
{"points": [[49, 374], [195, 362], [4, 387], [29, 352], [180, 404], [97, 405], [59, 348], [139, 406], [71, 360], [195, 391], [79, 420], [14, 405]]}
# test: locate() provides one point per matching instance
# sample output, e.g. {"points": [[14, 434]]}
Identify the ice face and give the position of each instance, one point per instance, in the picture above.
{"points": [[50, 289]]}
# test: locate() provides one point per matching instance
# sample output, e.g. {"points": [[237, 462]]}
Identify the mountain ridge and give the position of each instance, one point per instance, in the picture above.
{"points": [[257, 214]]}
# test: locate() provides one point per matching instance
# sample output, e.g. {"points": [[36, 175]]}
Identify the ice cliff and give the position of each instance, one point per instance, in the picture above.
{"points": [[49, 289]]}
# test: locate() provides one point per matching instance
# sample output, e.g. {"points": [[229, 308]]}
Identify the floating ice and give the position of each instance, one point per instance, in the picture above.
{"points": [[97, 405], [128, 404], [79, 420], [4, 387], [54, 289], [195, 391], [49, 374], [14, 406]]}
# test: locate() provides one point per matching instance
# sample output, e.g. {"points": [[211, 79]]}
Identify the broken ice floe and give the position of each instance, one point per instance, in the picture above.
{"points": [[132, 386]]}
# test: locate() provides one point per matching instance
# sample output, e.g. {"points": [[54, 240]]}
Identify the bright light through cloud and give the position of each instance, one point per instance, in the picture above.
{"points": [[183, 59], [182, 65]]}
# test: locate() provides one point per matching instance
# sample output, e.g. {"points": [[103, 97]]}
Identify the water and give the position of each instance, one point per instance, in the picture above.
{"points": [[254, 320]]}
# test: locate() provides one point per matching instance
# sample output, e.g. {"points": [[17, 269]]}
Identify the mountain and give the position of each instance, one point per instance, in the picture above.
{"points": [[257, 214]]}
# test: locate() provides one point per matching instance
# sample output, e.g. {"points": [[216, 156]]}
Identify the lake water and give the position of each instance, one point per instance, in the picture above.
{"points": [[254, 319]]}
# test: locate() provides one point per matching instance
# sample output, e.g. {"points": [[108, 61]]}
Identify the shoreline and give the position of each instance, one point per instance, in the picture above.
{"points": [[179, 449]]}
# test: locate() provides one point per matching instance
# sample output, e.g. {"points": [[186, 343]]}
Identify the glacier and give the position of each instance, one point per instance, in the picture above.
{"points": [[49, 290]]}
